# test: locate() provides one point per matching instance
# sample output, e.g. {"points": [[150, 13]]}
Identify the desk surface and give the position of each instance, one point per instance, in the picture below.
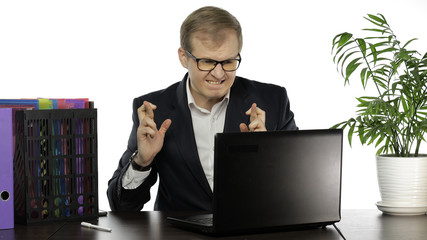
{"points": [[355, 224]]}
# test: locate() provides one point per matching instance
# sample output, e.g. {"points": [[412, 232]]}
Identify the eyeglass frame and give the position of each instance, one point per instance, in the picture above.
{"points": [[239, 59]]}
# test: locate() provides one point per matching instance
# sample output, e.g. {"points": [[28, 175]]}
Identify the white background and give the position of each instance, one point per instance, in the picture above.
{"points": [[113, 51]]}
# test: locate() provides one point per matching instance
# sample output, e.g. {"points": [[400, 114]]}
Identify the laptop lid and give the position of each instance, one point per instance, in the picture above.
{"points": [[275, 180]]}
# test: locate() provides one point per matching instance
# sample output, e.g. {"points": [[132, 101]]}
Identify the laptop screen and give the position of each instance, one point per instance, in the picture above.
{"points": [[276, 179]]}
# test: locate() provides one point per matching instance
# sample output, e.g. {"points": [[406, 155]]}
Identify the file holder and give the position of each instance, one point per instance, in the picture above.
{"points": [[55, 165]]}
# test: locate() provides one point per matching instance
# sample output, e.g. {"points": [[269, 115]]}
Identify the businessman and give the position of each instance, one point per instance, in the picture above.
{"points": [[173, 131]]}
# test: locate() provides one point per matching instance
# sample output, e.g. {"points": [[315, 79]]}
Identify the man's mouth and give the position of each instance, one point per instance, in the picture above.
{"points": [[214, 82]]}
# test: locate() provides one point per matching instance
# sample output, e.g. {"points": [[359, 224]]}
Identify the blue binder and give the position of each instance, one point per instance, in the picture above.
{"points": [[6, 169]]}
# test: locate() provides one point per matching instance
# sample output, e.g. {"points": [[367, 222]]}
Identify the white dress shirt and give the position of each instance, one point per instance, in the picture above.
{"points": [[205, 125]]}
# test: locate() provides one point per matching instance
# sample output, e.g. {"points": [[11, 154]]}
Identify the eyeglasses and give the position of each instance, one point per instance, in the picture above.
{"points": [[205, 64]]}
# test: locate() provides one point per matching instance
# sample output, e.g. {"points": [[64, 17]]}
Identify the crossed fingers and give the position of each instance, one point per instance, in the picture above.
{"points": [[257, 120], [146, 119]]}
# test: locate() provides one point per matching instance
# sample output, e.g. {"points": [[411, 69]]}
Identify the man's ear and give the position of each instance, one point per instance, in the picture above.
{"points": [[182, 57]]}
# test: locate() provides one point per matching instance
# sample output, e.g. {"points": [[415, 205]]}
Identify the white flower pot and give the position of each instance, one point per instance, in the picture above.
{"points": [[403, 184]]}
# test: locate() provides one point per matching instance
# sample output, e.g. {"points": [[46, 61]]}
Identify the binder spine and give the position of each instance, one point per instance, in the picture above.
{"points": [[6, 169]]}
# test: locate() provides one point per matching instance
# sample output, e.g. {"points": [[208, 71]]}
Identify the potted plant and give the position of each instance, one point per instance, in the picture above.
{"points": [[394, 119]]}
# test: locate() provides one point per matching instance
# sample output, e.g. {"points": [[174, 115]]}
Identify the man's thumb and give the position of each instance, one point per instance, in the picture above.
{"points": [[165, 126]]}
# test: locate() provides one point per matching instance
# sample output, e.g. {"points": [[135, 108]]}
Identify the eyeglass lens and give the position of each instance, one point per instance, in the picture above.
{"points": [[229, 65], [208, 64]]}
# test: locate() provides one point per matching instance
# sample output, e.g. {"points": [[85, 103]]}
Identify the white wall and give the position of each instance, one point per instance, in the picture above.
{"points": [[113, 51]]}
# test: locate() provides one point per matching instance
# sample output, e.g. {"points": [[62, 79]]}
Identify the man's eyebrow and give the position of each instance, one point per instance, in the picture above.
{"points": [[232, 58]]}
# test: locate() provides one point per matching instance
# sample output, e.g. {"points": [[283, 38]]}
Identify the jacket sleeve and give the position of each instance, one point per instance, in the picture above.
{"points": [[286, 116], [121, 199]]}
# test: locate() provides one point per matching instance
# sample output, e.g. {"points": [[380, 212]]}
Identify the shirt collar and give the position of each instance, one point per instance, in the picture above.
{"points": [[190, 97]]}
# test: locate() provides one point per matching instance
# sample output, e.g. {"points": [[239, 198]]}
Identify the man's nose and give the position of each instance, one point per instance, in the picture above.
{"points": [[218, 72]]}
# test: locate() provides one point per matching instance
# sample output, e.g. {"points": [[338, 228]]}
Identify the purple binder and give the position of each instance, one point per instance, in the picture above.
{"points": [[6, 169]]}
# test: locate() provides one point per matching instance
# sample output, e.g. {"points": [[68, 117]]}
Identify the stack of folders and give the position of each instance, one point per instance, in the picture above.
{"points": [[49, 150]]}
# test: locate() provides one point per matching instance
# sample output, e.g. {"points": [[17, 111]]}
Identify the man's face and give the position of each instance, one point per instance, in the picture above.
{"points": [[209, 87]]}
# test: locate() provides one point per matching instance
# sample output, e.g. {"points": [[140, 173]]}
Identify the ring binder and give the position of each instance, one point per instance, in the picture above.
{"points": [[6, 169]]}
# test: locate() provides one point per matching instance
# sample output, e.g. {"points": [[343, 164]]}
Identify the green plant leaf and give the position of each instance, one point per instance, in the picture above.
{"points": [[364, 76], [404, 105], [373, 53], [376, 20], [353, 65], [382, 31], [380, 140], [362, 45], [379, 20], [344, 60], [361, 132], [390, 49], [350, 132], [344, 38], [408, 42], [346, 50], [341, 125], [380, 150]]}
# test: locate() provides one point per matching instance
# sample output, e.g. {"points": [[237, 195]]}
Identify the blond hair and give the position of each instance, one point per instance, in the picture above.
{"points": [[210, 20]]}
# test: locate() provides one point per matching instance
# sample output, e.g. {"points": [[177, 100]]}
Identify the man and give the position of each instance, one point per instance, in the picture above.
{"points": [[173, 132]]}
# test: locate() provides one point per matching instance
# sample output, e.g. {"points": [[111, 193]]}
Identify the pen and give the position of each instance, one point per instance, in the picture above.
{"points": [[86, 224]]}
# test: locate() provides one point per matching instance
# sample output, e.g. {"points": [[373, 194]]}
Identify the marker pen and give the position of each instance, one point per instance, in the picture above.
{"points": [[86, 224]]}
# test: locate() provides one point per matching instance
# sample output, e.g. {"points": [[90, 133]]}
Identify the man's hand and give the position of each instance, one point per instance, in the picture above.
{"points": [[150, 140], [257, 120]]}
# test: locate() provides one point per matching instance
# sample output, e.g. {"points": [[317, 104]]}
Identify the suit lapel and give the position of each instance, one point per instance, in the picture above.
{"points": [[239, 98], [184, 137]]}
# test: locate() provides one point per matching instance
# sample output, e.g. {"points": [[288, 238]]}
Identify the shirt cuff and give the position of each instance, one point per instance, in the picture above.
{"points": [[133, 178]]}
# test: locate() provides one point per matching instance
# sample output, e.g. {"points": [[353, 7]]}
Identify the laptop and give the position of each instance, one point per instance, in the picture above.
{"points": [[272, 181]]}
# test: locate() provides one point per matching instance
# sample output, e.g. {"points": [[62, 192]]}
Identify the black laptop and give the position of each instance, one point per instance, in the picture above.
{"points": [[272, 181]]}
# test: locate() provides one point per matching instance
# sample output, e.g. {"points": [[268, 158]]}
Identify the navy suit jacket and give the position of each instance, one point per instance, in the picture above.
{"points": [[182, 183]]}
